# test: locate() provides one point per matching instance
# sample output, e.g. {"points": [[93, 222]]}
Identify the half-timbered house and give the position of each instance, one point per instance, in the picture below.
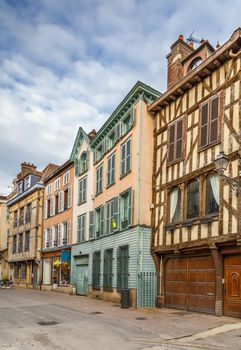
{"points": [[196, 217]]}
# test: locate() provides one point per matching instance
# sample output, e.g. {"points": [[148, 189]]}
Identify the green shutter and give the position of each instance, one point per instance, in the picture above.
{"points": [[130, 207], [102, 220], [115, 217], [91, 225]]}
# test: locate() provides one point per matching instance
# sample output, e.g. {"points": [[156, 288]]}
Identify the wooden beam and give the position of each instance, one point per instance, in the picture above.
{"points": [[206, 71], [198, 78], [172, 97], [189, 85], [217, 63], [180, 91]]}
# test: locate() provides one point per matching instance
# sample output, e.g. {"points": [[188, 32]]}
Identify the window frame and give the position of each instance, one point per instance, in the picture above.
{"points": [[126, 156], [111, 170], [121, 256], [187, 215], [82, 190], [96, 270], [99, 179], [57, 184], [81, 227], [108, 270], [174, 123]]}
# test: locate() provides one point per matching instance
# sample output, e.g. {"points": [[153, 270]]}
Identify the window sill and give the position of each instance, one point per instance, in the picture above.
{"points": [[175, 162], [79, 203], [201, 149], [97, 194], [110, 185], [190, 222], [124, 175], [96, 288]]}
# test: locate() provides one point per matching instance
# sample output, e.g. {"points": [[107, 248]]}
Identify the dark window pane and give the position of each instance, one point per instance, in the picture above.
{"points": [[212, 194], [192, 199]]}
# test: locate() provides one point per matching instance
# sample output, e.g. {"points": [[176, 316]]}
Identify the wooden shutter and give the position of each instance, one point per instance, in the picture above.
{"points": [[128, 155], [115, 218], [76, 166], [68, 232], [203, 125], [171, 143], [102, 220], [45, 209], [91, 224], [59, 243], [69, 196], [214, 119], [123, 158], [130, 208], [61, 194], [43, 240], [179, 136]]}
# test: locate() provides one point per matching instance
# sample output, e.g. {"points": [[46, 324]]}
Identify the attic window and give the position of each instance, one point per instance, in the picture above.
{"points": [[196, 62]]}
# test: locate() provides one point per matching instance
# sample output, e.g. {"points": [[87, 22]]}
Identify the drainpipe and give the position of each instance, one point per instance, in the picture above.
{"points": [[140, 262]]}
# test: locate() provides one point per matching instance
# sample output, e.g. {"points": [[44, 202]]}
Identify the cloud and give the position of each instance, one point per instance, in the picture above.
{"points": [[69, 63]]}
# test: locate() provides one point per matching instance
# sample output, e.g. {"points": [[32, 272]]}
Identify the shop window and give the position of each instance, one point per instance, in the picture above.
{"points": [[212, 194], [65, 272], [193, 199]]}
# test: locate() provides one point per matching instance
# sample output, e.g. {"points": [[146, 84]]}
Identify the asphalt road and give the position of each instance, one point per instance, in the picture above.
{"points": [[48, 320]]}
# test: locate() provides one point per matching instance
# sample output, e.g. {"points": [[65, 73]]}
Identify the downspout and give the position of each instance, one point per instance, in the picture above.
{"points": [[140, 262]]}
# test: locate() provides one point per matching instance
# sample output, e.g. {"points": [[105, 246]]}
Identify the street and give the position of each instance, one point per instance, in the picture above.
{"points": [[46, 320]]}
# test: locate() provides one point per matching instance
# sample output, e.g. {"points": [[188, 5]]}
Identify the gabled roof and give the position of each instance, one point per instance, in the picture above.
{"points": [[81, 135], [139, 89]]}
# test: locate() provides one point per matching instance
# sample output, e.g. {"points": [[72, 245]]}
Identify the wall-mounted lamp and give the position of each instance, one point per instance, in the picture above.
{"points": [[221, 165]]}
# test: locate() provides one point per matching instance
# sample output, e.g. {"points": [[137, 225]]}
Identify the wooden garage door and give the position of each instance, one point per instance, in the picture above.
{"points": [[190, 284], [232, 286]]}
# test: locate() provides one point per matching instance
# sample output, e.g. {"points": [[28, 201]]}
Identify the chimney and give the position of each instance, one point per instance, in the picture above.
{"points": [[27, 168], [92, 134], [179, 50]]}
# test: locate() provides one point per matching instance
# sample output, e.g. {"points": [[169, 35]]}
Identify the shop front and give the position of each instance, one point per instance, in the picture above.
{"points": [[56, 271]]}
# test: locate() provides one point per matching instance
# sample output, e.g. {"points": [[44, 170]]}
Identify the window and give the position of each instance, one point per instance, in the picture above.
{"points": [[112, 139], [57, 203], [122, 267], [96, 270], [16, 271], [48, 238], [111, 169], [66, 178], [83, 162], [209, 122], [125, 209], [99, 221], [65, 228], [175, 136], [59, 241], [55, 238], [99, 176], [27, 241], [28, 212], [23, 270], [49, 189], [174, 204], [27, 182], [127, 123], [81, 228], [20, 243], [108, 262], [99, 152], [194, 64], [192, 199], [126, 157], [112, 215], [212, 194], [21, 218], [91, 225], [19, 187], [67, 198], [82, 190], [15, 218], [48, 207], [14, 248], [57, 184]]}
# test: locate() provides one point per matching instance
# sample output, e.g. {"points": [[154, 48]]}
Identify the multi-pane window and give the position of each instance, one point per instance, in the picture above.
{"points": [[192, 199], [49, 189], [83, 162], [91, 225], [57, 184], [21, 217], [209, 122], [67, 197], [27, 182], [81, 228], [27, 241], [126, 157], [82, 190], [96, 270], [111, 139], [99, 221], [99, 152], [55, 238], [111, 169], [99, 179], [122, 267], [20, 243], [175, 141], [66, 178], [28, 212], [212, 194], [175, 204], [108, 267], [19, 187], [16, 270], [57, 203], [65, 228], [15, 218], [14, 248], [112, 215], [126, 209], [127, 123]]}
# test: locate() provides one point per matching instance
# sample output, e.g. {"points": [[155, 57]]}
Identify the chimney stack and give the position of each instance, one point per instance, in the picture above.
{"points": [[92, 134], [27, 168], [179, 50]]}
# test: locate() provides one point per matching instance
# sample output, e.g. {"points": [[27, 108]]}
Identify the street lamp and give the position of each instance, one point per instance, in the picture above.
{"points": [[221, 164]]}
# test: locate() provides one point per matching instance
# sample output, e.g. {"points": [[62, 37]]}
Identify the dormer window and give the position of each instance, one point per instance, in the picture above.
{"points": [[19, 187], [196, 62], [27, 182]]}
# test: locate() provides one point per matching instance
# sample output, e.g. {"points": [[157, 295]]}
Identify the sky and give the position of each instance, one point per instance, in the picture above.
{"points": [[69, 63]]}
